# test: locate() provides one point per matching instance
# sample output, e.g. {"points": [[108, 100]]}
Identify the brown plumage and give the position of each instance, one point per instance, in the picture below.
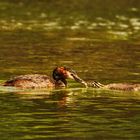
{"points": [[60, 74]]}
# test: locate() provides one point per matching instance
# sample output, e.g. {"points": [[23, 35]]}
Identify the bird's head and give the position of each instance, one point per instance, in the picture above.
{"points": [[63, 73]]}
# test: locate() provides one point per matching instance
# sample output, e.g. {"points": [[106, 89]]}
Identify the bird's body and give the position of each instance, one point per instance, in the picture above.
{"points": [[33, 81], [116, 86], [123, 86]]}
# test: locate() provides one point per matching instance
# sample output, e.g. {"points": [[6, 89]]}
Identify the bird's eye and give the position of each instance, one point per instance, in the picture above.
{"points": [[72, 74]]}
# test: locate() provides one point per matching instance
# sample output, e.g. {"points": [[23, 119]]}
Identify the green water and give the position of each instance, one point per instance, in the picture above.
{"points": [[99, 40]]}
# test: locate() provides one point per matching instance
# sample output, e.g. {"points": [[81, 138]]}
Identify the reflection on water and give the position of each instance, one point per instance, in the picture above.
{"points": [[100, 40], [70, 114]]}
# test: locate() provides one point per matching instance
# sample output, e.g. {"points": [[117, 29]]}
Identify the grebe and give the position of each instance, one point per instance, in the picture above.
{"points": [[116, 86], [60, 74], [123, 86]]}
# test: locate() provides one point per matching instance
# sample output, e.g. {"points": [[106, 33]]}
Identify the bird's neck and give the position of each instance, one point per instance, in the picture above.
{"points": [[60, 83]]}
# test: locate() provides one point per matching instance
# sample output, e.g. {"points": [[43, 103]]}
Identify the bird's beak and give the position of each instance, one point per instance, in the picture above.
{"points": [[77, 78]]}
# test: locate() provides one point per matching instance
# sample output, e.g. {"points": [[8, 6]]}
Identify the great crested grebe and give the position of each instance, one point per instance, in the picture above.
{"points": [[123, 86], [116, 86], [60, 74]]}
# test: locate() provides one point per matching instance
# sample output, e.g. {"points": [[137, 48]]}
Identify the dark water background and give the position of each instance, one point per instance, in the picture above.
{"points": [[99, 39]]}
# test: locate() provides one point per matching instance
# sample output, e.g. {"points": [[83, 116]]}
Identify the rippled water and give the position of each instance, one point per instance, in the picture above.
{"points": [[99, 40], [70, 114]]}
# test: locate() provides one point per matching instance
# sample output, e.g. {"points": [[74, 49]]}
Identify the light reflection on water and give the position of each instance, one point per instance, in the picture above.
{"points": [[120, 30]]}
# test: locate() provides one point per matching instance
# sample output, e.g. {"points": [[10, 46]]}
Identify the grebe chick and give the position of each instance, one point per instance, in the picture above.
{"points": [[60, 74], [123, 86], [116, 86]]}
